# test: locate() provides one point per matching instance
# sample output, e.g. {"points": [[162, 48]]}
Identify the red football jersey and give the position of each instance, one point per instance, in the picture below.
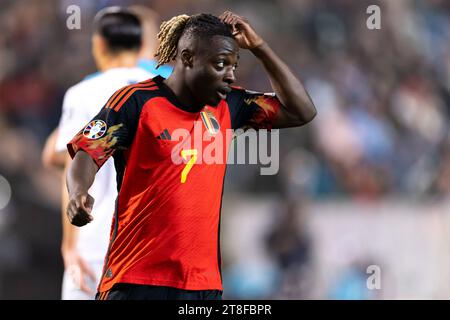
{"points": [[170, 166]]}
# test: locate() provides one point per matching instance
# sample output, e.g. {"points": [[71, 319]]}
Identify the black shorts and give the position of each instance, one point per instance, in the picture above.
{"points": [[127, 291]]}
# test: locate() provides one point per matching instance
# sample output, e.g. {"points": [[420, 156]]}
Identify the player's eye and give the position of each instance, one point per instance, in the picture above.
{"points": [[235, 66], [220, 64]]}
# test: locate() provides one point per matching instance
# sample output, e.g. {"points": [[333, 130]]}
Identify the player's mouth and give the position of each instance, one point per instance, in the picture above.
{"points": [[223, 91]]}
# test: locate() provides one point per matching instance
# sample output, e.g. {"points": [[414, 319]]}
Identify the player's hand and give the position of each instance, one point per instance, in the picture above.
{"points": [[244, 34], [79, 209], [78, 270]]}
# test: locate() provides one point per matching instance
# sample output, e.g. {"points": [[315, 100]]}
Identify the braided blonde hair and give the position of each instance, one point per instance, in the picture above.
{"points": [[168, 36]]}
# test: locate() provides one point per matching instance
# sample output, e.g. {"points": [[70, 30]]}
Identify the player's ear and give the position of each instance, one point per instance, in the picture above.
{"points": [[187, 58], [99, 46], [104, 49]]}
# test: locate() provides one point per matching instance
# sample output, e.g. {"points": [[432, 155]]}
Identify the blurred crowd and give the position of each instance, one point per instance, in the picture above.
{"points": [[381, 131]]}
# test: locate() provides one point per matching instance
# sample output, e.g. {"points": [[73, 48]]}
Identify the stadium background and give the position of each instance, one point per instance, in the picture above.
{"points": [[367, 183]]}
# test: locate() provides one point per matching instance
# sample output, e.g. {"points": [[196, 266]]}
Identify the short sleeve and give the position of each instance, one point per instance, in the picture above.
{"points": [[249, 109], [112, 129]]}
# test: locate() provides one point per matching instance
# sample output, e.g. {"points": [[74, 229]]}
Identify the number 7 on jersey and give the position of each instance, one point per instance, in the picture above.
{"points": [[188, 167]]}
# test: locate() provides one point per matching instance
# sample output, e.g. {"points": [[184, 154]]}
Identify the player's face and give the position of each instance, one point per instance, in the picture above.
{"points": [[213, 69]]}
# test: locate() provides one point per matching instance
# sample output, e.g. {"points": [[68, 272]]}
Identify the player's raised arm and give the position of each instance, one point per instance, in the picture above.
{"points": [[297, 107], [80, 177]]}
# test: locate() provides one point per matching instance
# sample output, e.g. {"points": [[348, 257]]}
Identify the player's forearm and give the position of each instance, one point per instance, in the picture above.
{"points": [[287, 87], [69, 238], [81, 173]]}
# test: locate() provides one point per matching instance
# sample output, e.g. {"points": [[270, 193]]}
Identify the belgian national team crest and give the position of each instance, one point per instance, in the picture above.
{"points": [[210, 122], [95, 129]]}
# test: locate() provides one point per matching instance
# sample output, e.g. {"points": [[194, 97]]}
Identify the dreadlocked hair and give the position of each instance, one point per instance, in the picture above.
{"points": [[202, 25], [168, 36]]}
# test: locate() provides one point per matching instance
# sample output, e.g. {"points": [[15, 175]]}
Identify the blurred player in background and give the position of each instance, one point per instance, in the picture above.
{"points": [[165, 235], [150, 27], [116, 45]]}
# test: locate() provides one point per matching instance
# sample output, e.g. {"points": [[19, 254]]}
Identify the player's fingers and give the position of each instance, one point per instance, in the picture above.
{"points": [[236, 24], [84, 287], [82, 213], [79, 221], [81, 218], [81, 202], [227, 17], [236, 21], [231, 15], [223, 15], [86, 269], [71, 211], [74, 273], [89, 203], [78, 203]]}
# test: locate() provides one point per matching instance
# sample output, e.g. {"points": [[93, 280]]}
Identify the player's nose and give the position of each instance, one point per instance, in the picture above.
{"points": [[229, 76]]}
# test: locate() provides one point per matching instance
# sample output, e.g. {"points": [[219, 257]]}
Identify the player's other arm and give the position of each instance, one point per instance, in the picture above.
{"points": [[298, 107], [80, 177], [50, 157], [74, 263]]}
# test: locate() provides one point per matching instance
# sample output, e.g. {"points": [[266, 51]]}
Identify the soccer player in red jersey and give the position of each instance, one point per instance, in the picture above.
{"points": [[164, 241]]}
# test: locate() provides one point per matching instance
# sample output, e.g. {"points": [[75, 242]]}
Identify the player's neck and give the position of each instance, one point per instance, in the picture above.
{"points": [[124, 60], [183, 94]]}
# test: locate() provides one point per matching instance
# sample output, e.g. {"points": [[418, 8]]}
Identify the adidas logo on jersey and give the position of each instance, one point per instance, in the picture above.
{"points": [[165, 135]]}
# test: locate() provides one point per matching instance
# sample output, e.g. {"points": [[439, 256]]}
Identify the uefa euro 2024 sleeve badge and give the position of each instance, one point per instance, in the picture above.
{"points": [[95, 129]]}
